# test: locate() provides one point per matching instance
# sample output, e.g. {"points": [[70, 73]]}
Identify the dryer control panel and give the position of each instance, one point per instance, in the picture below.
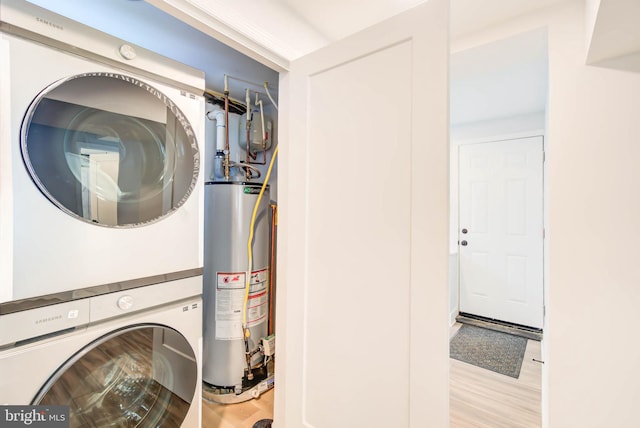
{"points": [[137, 299]]}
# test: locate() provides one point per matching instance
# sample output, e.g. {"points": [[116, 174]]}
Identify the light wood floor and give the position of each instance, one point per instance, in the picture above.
{"points": [[482, 398], [241, 415], [479, 398]]}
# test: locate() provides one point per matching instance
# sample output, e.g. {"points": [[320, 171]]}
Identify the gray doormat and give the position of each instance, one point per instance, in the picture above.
{"points": [[491, 350]]}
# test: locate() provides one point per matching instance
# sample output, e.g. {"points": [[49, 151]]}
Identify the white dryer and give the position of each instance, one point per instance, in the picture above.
{"points": [[128, 358], [100, 160]]}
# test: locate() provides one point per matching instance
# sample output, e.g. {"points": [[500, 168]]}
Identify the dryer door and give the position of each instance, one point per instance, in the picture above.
{"points": [[143, 376], [110, 149]]}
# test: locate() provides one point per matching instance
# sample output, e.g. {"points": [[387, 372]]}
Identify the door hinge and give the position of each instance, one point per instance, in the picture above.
{"points": [[544, 156], [544, 233]]}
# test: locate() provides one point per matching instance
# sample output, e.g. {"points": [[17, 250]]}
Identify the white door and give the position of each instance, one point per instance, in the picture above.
{"points": [[501, 230], [363, 248]]}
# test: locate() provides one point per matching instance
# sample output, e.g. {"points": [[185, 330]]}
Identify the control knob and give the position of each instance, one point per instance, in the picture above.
{"points": [[125, 302]]}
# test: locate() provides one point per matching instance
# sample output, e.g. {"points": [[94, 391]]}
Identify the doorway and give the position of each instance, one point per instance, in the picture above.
{"points": [[498, 101], [500, 236], [498, 92]]}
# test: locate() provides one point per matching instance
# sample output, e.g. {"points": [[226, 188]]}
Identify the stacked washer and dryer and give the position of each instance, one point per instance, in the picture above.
{"points": [[101, 224]]}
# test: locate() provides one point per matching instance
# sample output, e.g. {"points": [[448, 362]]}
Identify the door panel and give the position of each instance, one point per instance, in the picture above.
{"points": [[501, 207], [363, 229], [349, 284]]}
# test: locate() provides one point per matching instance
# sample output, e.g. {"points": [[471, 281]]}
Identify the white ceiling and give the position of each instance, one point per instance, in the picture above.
{"points": [[336, 19], [292, 28], [469, 16]]}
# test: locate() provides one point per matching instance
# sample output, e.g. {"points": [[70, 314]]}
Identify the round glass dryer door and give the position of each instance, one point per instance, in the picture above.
{"points": [[110, 149], [142, 376]]}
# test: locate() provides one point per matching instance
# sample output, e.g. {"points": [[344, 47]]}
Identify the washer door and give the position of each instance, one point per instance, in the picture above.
{"points": [[143, 376], [110, 149]]}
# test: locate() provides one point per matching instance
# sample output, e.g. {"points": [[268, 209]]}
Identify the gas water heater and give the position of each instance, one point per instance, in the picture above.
{"points": [[226, 355], [238, 349]]}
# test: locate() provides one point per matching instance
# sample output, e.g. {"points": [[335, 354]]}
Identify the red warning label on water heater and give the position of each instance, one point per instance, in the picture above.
{"points": [[231, 280], [230, 293], [258, 304]]}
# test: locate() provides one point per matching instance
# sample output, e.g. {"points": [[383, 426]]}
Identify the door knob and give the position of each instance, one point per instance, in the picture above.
{"points": [[463, 243], [464, 231]]}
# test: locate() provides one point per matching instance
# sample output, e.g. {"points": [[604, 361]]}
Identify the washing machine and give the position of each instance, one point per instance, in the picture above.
{"points": [[127, 358], [99, 158]]}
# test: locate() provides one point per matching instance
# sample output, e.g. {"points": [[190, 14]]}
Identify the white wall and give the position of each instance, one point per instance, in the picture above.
{"points": [[504, 78], [453, 288], [593, 214], [591, 15], [591, 356]]}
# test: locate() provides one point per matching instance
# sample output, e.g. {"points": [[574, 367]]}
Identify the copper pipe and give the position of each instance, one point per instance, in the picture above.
{"points": [[249, 154], [226, 136], [272, 268], [252, 155], [255, 156]]}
